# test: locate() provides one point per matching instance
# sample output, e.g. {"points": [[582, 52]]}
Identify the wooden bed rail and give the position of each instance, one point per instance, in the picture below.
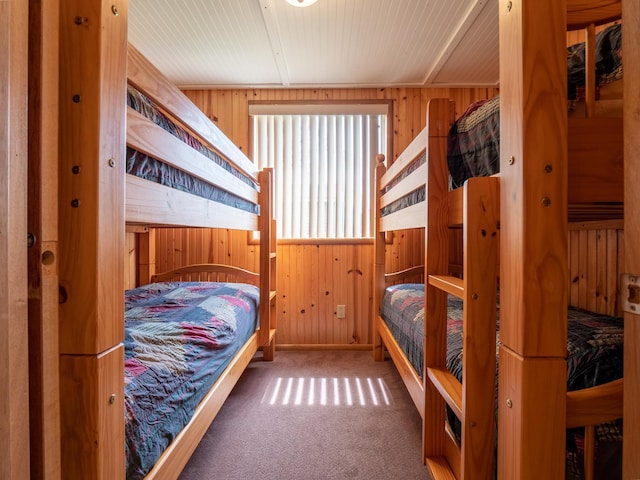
{"points": [[590, 407], [213, 271]]}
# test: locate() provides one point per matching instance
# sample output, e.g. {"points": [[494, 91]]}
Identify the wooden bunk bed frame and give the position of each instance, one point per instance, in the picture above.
{"points": [[94, 209], [535, 183], [474, 207], [529, 258]]}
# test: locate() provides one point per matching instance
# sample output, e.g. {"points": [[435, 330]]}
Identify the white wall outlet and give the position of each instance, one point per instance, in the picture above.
{"points": [[341, 311]]}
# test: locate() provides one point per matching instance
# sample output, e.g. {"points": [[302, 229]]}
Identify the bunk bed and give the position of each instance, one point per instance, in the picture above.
{"points": [[230, 320], [594, 169], [137, 156]]}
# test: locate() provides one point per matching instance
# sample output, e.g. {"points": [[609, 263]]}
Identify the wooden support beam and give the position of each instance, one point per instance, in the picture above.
{"points": [[93, 66], [631, 93], [42, 222], [533, 259], [14, 373]]}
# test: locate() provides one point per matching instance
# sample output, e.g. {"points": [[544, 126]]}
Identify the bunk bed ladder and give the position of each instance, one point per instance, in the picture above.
{"points": [[476, 208]]}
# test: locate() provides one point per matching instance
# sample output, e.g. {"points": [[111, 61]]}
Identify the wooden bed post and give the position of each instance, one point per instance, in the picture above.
{"points": [[379, 263], [14, 362], [436, 259], [631, 43], [146, 245], [268, 310], [93, 63], [533, 258], [44, 394]]}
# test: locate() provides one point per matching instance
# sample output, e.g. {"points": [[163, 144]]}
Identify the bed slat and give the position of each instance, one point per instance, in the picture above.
{"points": [[148, 79], [451, 285], [448, 386], [150, 139], [153, 204]]}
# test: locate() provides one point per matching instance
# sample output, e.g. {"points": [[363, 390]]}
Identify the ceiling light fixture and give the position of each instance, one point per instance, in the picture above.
{"points": [[301, 3]]}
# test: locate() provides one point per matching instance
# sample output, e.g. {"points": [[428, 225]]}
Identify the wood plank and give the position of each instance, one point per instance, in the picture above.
{"points": [[456, 207], [631, 95], [581, 13], [413, 181], [592, 268], [528, 400], [14, 347], [44, 393], [145, 136], [533, 257], [595, 159], [415, 148], [449, 387], [410, 217], [451, 285], [533, 260], [595, 405], [153, 204], [411, 380], [439, 468], [91, 175], [148, 79], [481, 218], [91, 415], [436, 263]]}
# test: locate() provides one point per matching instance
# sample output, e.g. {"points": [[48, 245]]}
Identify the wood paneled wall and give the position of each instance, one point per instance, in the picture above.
{"points": [[312, 279], [596, 252], [14, 346]]}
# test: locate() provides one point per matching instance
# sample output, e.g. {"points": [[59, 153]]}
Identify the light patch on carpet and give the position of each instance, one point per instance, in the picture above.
{"points": [[324, 391]]}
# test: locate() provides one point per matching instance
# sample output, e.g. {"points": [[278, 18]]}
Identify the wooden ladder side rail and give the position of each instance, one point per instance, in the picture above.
{"points": [[480, 267], [266, 333], [473, 400], [434, 440], [378, 261]]}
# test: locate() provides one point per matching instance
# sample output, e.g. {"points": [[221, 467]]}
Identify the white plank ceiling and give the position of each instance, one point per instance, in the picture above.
{"points": [[332, 43]]}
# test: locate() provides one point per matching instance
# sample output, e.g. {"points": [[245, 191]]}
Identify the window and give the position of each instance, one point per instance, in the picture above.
{"points": [[323, 166]]}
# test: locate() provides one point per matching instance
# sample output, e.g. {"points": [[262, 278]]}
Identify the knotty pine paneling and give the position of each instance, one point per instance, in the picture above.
{"points": [[594, 267], [312, 279]]}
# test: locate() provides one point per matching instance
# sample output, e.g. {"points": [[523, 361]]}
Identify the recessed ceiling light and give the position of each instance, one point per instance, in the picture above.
{"points": [[301, 3]]}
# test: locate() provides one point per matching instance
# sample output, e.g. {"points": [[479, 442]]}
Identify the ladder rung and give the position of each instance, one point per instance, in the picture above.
{"points": [[439, 468], [272, 294], [452, 285], [448, 386]]}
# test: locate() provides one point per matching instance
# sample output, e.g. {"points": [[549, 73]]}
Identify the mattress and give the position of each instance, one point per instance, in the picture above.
{"points": [[149, 168], [594, 357], [179, 337]]}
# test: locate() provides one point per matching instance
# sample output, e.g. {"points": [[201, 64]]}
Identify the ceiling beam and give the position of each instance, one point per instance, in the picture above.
{"points": [[271, 24], [458, 34]]}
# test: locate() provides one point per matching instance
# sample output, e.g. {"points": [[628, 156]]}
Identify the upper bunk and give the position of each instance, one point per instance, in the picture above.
{"points": [[176, 175]]}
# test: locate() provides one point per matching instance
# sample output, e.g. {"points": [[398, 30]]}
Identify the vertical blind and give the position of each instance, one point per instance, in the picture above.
{"points": [[323, 171]]}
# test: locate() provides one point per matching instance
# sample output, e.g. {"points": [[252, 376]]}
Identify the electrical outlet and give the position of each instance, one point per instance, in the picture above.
{"points": [[341, 311]]}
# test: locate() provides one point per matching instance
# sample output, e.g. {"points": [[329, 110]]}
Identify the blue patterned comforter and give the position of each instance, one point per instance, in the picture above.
{"points": [[594, 353], [179, 337]]}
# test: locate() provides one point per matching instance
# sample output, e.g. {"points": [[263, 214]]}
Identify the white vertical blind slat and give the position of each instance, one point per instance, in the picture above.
{"points": [[323, 171]]}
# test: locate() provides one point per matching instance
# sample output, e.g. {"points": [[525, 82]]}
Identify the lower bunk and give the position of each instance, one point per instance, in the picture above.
{"points": [[594, 358], [186, 344]]}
